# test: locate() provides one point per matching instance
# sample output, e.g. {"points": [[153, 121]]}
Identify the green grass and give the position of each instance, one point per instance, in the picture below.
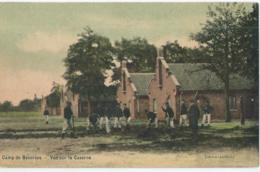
{"points": [[20, 114], [35, 120]]}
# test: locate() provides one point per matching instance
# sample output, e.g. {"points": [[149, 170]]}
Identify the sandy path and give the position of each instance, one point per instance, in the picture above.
{"points": [[80, 148]]}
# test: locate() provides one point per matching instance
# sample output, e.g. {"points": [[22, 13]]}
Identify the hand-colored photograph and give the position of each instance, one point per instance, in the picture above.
{"points": [[131, 85]]}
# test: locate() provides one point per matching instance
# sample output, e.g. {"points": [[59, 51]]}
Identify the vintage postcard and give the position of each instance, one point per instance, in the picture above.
{"points": [[128, 85]]}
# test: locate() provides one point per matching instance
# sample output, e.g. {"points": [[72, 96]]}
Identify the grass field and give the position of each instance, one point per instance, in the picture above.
{"points": [[220, 145]]}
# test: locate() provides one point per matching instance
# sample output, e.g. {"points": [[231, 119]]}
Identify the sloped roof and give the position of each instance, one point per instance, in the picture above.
{"points": [[141, 82], [191, 77]]}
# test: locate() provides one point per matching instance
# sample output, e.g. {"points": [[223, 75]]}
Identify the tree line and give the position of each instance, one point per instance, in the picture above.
{"points": [[25, 105]]}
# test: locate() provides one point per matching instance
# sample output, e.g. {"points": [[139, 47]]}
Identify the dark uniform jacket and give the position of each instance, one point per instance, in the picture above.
{"points": [[151, 116], [118, 112], [194, 114], [93, 118], [126, 112], [207, 109], [46, 112], [168, 112], [183, 109], [68, 112]]}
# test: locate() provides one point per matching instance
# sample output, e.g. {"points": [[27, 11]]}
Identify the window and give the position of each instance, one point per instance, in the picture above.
{"points": [[160, 73], [124, 82], [154, 105], [232, 103]]}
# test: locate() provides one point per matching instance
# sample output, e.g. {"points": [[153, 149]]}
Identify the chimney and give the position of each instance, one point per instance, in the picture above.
{"points": [[124, 63]]}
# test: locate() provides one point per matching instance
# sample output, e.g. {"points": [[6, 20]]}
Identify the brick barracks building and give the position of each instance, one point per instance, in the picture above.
{"points": [[133, 91], [173, 82]]}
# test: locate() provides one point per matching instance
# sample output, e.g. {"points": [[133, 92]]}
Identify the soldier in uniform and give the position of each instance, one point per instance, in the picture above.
{"points": [[46, 114], [126, 112], [68, 115], [194, 114], [152, 118], [183, 116], [207, 111], [108, 112], [118, 114], [169, 114], [92, 119], [101, 114]]}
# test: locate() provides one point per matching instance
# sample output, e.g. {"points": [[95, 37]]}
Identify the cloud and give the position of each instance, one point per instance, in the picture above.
{"points": [[54, 43]]}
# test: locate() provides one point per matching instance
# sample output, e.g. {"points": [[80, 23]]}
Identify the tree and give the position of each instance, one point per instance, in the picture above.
{"points": [[53, 99], [6, 106], [86, 63], [250, 41], [27, 105], [137, 51], [173, 52], [220, 40]]}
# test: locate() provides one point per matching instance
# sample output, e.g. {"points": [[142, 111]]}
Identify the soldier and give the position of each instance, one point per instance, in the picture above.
{"points": [[152, 118], [100, 110], [183, 116], [169, 114], [118, 114], [108, 111], [46, 114], [92, 119], [127, 115], [68, 115], [207, 110], [194, 114]]}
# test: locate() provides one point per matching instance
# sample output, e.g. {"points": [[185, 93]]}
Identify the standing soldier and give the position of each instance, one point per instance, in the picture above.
{"points": [[92, 119], [169, 114], [107, 115], [152, 118], [242, 111], [127, 115], [101, 114], [194, 114], [68, 114], [207, 110], [46, 114], [183, 116], [118, 114]]}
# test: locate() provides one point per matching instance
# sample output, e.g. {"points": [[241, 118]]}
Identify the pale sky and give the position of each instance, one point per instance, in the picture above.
{"points": [[34, 37]]}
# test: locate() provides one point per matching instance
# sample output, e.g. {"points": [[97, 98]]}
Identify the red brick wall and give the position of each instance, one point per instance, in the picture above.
{"points": [[217, 98], [128, 96], [161, 93]]}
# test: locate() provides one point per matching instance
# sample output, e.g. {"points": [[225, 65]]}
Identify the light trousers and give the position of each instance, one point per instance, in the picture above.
{"points": [[206, 119]]}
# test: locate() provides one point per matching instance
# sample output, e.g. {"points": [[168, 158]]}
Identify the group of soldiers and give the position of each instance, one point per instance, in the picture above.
{"points": [[106, 117]]}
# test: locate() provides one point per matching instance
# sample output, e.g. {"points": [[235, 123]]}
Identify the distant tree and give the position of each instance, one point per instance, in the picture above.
{"points": [[27, 105], [220, 39], [173, 52], [53, 99], [6, 106], [137, 51], [87, 62]]}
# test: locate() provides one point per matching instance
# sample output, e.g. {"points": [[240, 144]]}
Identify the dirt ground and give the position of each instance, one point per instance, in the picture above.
{"points": [[35, 144], [39, 153]]}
